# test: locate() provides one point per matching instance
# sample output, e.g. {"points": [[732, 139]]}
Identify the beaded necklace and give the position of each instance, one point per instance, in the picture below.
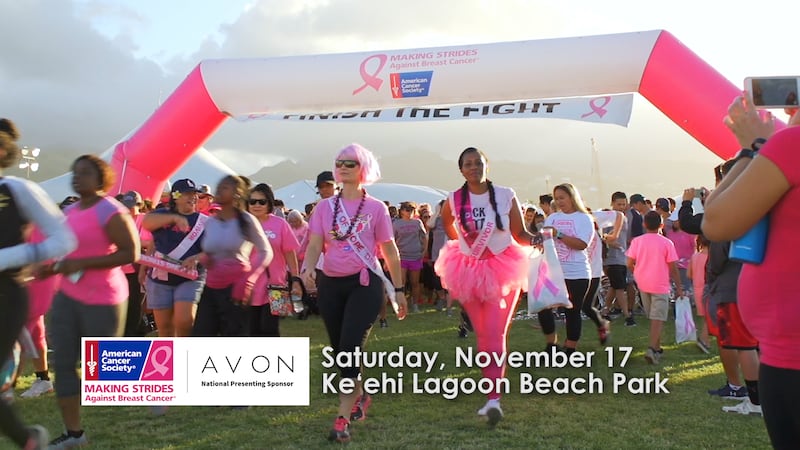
{"points": [[334, 233]]}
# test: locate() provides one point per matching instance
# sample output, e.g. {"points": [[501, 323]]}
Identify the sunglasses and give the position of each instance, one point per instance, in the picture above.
{"points": [[258, 201], [349, 163]]}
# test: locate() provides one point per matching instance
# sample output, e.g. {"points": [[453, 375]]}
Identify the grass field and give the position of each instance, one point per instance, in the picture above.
{"points": [[685, 418]]}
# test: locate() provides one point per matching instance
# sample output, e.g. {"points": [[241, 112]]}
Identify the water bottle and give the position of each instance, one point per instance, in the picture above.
{"points": [[750, 248], [297, 303]]}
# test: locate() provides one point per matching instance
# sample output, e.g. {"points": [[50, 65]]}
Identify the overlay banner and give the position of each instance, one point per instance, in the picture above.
{"points": [[608, 109], [195, 371]]}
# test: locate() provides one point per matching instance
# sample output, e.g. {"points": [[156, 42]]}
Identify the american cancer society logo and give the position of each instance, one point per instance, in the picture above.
{"points": [[410, 84], [196, 371]]}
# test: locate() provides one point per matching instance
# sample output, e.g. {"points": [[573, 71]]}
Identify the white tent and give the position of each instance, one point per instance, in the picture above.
{"points": [[300, 193], [202, 168]]}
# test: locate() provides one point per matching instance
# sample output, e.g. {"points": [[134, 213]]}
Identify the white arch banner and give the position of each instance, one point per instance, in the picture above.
{"points": [[495, 78]]}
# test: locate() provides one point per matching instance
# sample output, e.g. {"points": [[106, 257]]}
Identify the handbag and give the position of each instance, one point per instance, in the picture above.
{"points": [[547, 287], [280, 301], [685, 329]]}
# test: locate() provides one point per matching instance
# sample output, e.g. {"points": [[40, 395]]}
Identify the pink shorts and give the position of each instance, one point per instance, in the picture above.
{"points": [[414, 264]]}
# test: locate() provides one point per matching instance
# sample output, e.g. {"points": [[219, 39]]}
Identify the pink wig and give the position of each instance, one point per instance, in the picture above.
{"points": [[370, 171]]}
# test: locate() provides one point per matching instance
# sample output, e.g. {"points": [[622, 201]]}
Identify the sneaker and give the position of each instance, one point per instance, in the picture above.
{"points": [[745, 407], [38, 437], [359, 411], [384, 323], [38, 388], [604, 332], [629, 322], [703, 347], [7, 396], [340, 431], [493, 411], [462, 331], [728, 392], [66, 441], [653, 356]]}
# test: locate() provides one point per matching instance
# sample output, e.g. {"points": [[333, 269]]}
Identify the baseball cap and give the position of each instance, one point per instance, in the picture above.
{"points": [[184, 185], [662, 203], [325, 177], [131, 199], [638, 198], [204, 189]]}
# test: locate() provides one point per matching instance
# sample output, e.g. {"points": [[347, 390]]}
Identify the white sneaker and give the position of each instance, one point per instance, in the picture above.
{"points": [[744, 407], [7, 396], [493, 403], [66, 441], [38, 388]]}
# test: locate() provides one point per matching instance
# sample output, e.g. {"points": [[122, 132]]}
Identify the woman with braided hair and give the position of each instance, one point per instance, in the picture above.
{"points": [[484, 265]]}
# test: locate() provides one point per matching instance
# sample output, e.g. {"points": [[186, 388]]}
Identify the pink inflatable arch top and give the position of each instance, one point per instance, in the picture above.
{"points": [[654, 63]]}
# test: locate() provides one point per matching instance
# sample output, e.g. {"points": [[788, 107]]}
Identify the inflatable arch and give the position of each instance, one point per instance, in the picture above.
{"points": [[654, 63]]}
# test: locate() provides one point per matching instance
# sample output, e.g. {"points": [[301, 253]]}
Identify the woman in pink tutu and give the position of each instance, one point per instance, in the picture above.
{"points": [[484, 265]]}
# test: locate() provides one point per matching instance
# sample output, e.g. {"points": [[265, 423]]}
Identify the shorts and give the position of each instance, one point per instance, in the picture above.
{"points": [[411, 264], [656, 306], [617, 276], [732, 332], [164, 296]]}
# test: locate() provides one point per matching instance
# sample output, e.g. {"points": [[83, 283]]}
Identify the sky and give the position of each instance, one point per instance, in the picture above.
{"points": [[78, 75]]}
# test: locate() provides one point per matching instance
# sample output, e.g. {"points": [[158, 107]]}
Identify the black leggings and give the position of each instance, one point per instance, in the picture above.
{"points": [[13, 312], [218, 315], [588, 302], [577, 292], [349, 310], [779, 392], [261, 322]]}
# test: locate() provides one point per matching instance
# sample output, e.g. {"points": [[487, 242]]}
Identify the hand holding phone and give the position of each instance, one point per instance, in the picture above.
{"points": [[773, 92]]}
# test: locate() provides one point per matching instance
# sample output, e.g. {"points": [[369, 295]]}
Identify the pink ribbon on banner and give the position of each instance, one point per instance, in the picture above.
{"points": [[371, 79], [544, 281], [159, 367], [598, 109]]}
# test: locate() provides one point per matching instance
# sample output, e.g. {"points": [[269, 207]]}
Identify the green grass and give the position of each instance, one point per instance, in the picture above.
{"points": [[685, 418]]}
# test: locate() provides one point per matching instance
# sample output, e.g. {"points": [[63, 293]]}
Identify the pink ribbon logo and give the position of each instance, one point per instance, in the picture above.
{"points": [[159, 364], [543, 281], [598, 109], [371, 79]]}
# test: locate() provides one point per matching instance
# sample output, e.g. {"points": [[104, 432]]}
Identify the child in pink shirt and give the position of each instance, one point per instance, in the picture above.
{"points": [[697, 273], [652, 259]]}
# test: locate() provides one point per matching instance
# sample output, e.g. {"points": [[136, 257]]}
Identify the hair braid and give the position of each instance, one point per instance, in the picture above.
{"points": [[462, 213], [493, 202]]}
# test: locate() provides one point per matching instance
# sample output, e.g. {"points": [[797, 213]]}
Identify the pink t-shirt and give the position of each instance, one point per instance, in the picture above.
{"points": [[685, 245], [698, 264], [301, 234], [95, 286], [373, 226], [652, 253], [769, 293], [282, 240]]}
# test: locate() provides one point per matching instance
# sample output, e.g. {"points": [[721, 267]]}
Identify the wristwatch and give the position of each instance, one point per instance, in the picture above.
{"points": [[399, 289], [744, 153], [757, 144]]}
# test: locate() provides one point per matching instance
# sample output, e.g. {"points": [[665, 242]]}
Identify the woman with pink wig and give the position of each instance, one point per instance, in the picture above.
{"points": [[350, 228], [483, 265]]}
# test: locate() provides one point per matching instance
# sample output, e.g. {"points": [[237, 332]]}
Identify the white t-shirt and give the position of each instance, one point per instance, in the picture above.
{"points": [[604, 219], [481, 210], [574, 263]]}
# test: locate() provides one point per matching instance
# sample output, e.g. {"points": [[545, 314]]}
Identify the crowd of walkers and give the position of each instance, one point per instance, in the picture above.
{"points": [[348, 255]]}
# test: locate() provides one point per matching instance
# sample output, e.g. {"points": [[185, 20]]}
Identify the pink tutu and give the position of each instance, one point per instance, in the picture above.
{"points": [[486, 280]]}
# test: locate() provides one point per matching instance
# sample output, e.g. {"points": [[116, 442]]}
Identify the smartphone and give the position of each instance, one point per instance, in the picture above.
{"points": [[699, 193], [773, 92]]}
